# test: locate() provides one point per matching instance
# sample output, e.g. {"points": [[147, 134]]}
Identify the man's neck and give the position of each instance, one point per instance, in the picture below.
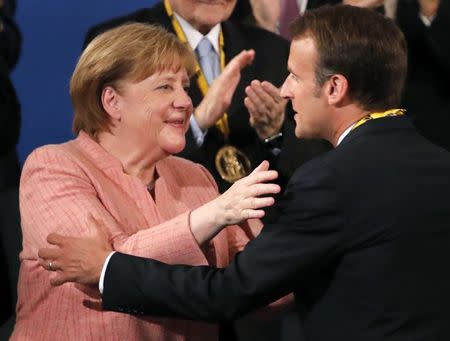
{"points": [[346, 117]]}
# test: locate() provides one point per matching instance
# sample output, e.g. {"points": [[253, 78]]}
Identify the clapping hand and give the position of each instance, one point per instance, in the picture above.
{"points": [[219, 95], [266, 108]]}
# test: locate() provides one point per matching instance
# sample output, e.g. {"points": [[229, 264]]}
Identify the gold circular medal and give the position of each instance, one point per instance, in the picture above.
{"points": [[232, 164]]}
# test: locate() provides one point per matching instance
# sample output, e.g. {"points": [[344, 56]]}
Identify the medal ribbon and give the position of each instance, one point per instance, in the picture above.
{"points": [[222, 123], [377, 115]]}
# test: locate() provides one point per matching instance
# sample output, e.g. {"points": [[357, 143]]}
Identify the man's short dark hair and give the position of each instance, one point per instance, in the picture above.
{"points": [[362, 45]]}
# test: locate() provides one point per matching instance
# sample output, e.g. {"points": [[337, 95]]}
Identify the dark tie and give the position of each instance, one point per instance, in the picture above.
{"points": [[288, 12]]}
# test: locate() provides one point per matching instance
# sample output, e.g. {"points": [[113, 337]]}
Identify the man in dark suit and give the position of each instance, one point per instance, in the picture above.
{"points": [[256, 114], [426, 24], [363, 238]]}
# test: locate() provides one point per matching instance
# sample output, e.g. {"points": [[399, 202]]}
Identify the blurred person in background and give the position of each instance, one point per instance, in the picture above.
{"points": [[276, 16], [10, 237], [426, 24]]}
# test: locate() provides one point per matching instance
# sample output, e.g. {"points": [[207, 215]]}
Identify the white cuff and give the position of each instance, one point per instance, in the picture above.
{"points": [[102, 276], [199, 134]]}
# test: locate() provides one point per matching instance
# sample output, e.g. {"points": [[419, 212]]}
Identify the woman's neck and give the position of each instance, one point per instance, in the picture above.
{"points": [[135, 161]]}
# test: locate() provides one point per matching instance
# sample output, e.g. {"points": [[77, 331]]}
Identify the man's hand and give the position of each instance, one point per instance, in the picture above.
{"points": [[429, 8], [75, 259], [218, 98], [266, 108], [364, 3]]}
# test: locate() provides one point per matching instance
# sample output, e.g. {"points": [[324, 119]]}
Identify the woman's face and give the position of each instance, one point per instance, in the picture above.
{"points": [[154, 113]]}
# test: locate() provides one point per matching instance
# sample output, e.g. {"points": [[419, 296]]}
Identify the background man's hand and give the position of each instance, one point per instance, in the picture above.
{"points": [[219, 95], [266, 108]]}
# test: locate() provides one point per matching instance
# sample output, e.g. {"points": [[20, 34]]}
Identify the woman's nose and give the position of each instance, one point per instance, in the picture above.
{"points": [[183, 101]]}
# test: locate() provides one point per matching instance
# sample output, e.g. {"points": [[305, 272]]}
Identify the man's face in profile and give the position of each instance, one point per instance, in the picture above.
{"points": [[308, 100]]}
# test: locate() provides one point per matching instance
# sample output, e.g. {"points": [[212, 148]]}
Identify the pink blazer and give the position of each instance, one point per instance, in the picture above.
{"points": [[60, 185]]}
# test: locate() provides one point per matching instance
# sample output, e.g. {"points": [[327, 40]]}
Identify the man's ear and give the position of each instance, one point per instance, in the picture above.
{"points": [[111, 103], [337, 89]]}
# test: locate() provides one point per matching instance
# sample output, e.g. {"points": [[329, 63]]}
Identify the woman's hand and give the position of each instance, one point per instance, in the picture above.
{"points": [[244, 200]]}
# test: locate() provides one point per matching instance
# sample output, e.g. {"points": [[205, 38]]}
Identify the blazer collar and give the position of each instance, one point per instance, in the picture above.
{"points": [[97, 153], [108, 163]]}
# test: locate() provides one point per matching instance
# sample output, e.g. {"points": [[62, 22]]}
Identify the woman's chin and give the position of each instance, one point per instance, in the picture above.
{"points": [[175, 147]]}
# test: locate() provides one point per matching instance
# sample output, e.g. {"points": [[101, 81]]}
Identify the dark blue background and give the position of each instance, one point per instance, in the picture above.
{"points": [[53, 32]]}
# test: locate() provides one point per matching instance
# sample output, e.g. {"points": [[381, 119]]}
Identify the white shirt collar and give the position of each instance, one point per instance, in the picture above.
{"points": [[302, 5], [344, 134], [193, 36]]}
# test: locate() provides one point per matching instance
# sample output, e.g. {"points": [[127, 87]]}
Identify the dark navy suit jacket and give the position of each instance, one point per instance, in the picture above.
{"points": [[362, 240]]}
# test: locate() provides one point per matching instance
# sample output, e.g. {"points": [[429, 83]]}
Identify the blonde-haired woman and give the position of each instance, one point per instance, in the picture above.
{"points": [[131, 114]]}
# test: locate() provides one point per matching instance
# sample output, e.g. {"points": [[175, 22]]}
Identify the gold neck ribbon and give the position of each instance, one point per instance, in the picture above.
{"points": [[222, 123], [376, 115]]}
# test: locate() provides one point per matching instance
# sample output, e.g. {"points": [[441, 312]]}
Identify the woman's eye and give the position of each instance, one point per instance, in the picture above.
{"points": [[165, 87], [186, 88]]}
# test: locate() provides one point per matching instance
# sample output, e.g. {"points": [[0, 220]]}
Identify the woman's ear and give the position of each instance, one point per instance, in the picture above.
{"points": [[337, 89], [111, 103]]}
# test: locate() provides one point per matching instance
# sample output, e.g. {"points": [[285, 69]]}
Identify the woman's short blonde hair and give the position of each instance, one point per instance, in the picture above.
{"points": [[129, 52]]}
